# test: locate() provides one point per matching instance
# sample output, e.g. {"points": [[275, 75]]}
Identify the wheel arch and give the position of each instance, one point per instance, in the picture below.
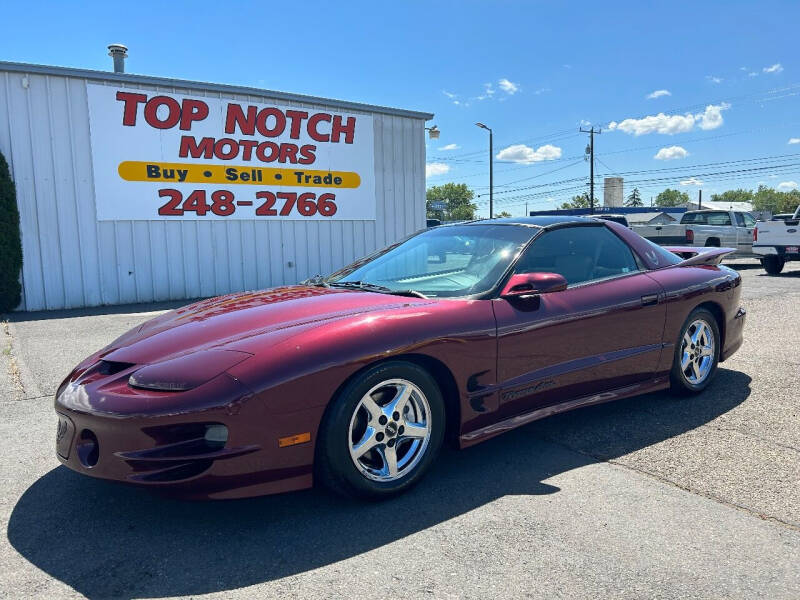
{"points": [[712, 242], [438, 370], [719, 314]]}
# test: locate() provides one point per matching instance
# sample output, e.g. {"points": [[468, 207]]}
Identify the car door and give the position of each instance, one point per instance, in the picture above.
{"points": [[744, 232], [602, 333]]}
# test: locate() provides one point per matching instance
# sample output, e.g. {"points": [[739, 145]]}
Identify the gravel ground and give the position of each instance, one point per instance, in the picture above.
{"points": [[648, 497]]}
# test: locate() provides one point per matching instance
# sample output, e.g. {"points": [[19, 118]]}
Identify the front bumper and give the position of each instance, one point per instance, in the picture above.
{"points": [[168, 450]]}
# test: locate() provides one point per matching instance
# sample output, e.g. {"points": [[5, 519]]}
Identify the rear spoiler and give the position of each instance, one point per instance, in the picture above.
{"points": [[693, 255]]}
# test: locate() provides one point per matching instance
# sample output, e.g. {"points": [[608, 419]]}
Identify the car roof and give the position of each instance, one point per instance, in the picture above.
{"points": [[540, 221]]}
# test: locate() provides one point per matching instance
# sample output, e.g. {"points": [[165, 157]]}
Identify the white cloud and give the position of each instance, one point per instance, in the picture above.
{"points": [[671, 153], [658, 94], [449, 95], [660, 123], [787, 185], [794, 140], [776, 68], [692, 181], [542, 91], [711, 118], [752, 74], [509, 87], [434, 169], [450, 147], [520, 153], [713, 79]]}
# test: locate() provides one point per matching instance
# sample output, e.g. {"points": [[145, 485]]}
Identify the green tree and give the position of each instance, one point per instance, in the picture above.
{"points": [[10, 242], [456, 199], [767, 198], [670, 197], [505, 213], [738, 195], [580, 201], [634, 198]]}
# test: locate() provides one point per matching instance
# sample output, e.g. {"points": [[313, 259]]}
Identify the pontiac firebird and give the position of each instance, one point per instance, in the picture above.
{"points": [[459, 332]]}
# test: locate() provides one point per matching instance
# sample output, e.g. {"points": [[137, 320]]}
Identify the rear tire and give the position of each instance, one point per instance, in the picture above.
{"points": [[712, 243], [382, 432], [773, 265], [696, 353]]}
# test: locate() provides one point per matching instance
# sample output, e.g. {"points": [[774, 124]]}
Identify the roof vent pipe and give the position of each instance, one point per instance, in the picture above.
{"points": [[119, 53]]}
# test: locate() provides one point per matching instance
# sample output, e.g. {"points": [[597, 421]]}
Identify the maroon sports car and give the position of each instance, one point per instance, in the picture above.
{"points": [[462, 331]]}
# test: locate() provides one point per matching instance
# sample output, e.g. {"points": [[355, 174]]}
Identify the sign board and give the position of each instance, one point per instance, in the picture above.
{"points": [[163, 156], [438, 205]]}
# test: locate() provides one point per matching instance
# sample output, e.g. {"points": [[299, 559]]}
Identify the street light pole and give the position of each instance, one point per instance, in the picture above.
{"points": [[491, 170]]}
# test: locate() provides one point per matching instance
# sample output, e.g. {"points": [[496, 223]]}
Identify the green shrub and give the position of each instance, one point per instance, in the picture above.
{"points": [[10, 242]]}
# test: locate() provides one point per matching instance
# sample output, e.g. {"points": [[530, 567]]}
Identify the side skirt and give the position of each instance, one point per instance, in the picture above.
{"points": [[485, 433]]}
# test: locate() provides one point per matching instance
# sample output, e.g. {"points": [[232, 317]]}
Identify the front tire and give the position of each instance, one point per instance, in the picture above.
{"points": [[696, 353], [382, 432], [773, 264]]}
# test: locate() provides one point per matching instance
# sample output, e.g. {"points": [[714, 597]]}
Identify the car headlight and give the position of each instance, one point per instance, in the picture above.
{"points": [[186, 372]]}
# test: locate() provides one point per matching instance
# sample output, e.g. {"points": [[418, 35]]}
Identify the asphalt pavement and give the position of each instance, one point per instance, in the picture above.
{"points": [[653, 496]]}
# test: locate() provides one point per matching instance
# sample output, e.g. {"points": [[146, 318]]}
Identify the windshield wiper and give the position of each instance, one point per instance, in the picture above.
{"points": [[374, 287], [316, 281]]}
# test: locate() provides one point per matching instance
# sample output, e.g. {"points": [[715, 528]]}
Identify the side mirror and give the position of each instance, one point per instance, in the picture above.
{"points": [[530, 284]]}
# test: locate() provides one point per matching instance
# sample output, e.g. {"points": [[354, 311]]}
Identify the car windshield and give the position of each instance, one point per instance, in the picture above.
{"points": [[453, 261]]}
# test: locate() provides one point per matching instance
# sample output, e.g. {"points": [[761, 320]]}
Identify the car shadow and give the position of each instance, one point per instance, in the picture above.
{"points": [[109, 540]]}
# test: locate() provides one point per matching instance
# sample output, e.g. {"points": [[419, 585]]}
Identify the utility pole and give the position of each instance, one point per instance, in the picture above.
{"points": [[491, 169], [590, 152], [699, 199], [527, 214]]}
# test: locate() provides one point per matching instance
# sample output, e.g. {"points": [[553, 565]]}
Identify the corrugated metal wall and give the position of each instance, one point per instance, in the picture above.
{"points": [[72, 260]]}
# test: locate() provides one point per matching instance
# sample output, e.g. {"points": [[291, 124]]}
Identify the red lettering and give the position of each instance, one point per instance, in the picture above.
{"points": [[312, 127], [296, 117], [349, 129], [307, 155], [192, 110], [288, 153], [221, 153], [132, 102], [190, 147], [261, 151], [151, 112], [247, 148], [261, 122], [235, 117]]}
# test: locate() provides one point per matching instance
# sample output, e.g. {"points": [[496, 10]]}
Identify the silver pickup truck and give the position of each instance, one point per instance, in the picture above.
{"points": [[729, 228], [777, 241]]}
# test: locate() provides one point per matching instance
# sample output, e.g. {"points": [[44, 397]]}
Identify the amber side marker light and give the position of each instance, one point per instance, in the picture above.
{"points": [[300, 438]]}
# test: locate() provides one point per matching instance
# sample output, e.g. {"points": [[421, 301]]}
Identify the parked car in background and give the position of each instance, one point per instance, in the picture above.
{"points": [[621, 219], [433, 223], [782, 217], [710, 228], [777, 242]]}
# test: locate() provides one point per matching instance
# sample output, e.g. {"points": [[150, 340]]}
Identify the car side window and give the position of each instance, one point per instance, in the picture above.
{"points": [[749, 221], [719, 218], [739, 220], [579, 254]]}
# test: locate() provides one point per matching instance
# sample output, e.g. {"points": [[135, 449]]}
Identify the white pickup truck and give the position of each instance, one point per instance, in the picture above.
{"points": [[776, 242], [729, 228]]}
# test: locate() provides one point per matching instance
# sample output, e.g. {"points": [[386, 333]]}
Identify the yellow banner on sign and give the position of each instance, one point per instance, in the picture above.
{"points": [[131, 170]]}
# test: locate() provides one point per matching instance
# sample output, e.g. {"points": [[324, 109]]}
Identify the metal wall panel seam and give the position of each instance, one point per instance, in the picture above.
{"points": [[67, 300]]}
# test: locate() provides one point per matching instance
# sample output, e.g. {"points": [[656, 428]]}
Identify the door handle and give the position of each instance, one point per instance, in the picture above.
{"points": [[649, 299]]}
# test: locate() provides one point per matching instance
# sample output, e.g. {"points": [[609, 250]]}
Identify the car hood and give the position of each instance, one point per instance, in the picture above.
{"points": [[220, 321]]}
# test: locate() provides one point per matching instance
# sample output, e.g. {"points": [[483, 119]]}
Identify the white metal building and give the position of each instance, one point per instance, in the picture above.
{"points": [[101, 222]]}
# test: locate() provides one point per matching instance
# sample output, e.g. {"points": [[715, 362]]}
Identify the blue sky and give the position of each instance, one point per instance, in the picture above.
{"points": [[533, 71]]}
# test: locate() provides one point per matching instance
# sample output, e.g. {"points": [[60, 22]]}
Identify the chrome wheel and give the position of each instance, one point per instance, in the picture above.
{"points": [[697, 352], [390, 430]]}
